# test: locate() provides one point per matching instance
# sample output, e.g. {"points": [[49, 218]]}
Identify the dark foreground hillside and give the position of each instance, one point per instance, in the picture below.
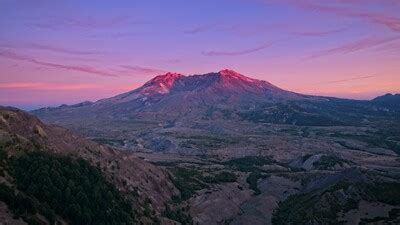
{"points": [[61, 188], [48, 174]]}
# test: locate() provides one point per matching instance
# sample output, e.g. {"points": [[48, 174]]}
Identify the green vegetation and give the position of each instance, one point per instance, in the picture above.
{"points": [[188, 181], [329, 161], [223, 177], [394, 218], [71, 188], [205, 142], [166, 163], [109, 141], [374, 140], [175, 163], [3, 161], [178, 215], [291, 113], [309, 209], [252, 180], [322, 208], [21, 204], [388, 192], [249, 163], [304, 158], [341, 185], [227, 113]]}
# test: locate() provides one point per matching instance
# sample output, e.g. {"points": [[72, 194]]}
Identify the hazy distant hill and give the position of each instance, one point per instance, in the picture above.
{"points": [[391, 100]]}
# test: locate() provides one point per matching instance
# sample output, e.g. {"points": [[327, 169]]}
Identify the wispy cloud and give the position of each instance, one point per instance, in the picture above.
{"points": [[390, 47], [386, 2], [78, 68], [355, 46], [119, 35], [248, 30], [199, 29], [47, 86], [170, 60], [142, 70], [391, 22], [13, 66], [237, 52], [82, 23], [346, 80], [45, 47], [317, 33]]}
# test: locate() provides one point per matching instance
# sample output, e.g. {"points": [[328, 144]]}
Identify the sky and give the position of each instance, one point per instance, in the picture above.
{"points": [[56, 52]]}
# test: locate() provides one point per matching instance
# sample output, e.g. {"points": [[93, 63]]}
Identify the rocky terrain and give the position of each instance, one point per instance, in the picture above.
{"points": [[141, 182], [240, 150]]}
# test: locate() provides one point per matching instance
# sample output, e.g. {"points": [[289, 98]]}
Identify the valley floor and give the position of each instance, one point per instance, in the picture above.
{"points": [[260, 184]]}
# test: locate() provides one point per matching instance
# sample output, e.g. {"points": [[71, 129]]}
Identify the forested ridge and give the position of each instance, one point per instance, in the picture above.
{"points": [[61, 188]]}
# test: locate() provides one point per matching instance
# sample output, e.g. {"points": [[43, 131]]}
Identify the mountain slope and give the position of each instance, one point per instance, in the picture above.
{"points": [[141, 182], [211, 87], [388, 100], [175, 94], [222, 103]]}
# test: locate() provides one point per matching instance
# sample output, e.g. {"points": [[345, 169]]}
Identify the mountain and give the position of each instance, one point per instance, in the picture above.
{"points": [[390, 100], [226, 86], [144, 119], [174, 94], [23, 135], [395, 98]]}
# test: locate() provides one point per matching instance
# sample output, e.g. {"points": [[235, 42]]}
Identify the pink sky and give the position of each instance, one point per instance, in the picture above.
{"points": [[71, 51]]}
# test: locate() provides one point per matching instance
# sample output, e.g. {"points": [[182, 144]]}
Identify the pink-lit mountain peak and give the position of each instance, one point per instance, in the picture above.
{"points": [[166, 79], [224, 80], [231, 73], [210, 87], [161, 84], [227, 74], [170, 76]]}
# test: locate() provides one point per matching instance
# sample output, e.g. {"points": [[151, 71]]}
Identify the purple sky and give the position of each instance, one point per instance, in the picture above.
{"points": [[54, 52]]}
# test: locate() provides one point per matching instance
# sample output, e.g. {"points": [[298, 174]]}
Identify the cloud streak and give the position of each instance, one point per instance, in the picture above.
{"points": [[237, 52], [346, 80], [83, 23], [47, 86], [44, 86], [390, 22], [355, 46], [57, 49], [199, 29], [78, 68], [119, 35], [317, 33], [142, 70]]}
